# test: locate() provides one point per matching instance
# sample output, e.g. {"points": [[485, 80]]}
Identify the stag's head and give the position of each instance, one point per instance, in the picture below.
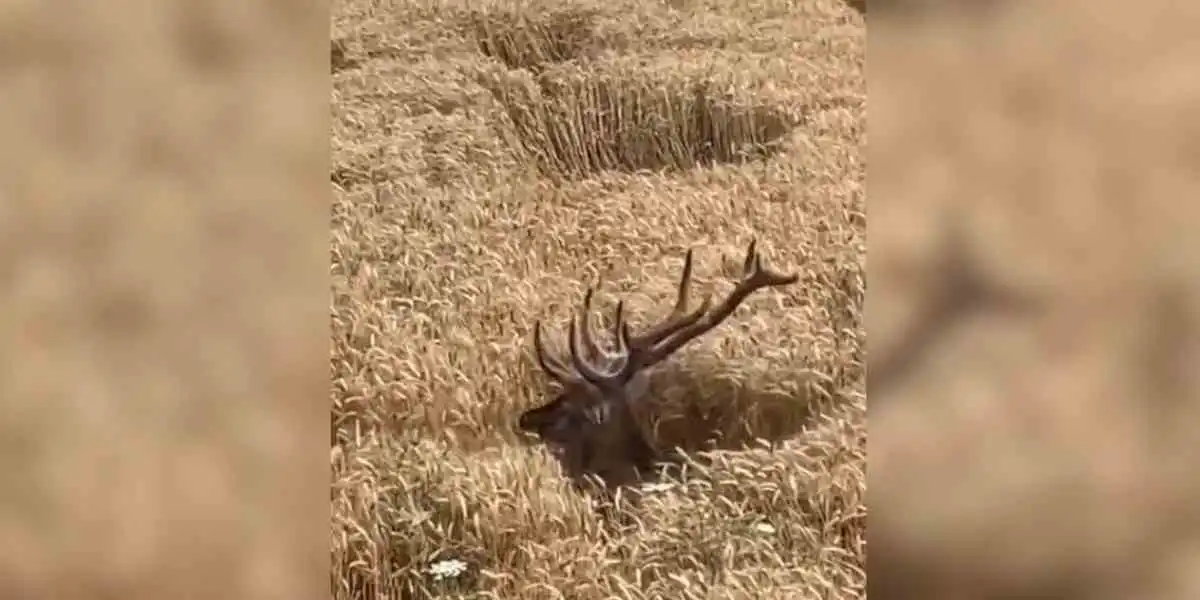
{"points": [[590, 424]]}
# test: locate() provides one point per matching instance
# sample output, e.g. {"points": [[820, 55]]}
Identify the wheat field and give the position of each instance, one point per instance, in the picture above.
{"points": [[493, 160]]}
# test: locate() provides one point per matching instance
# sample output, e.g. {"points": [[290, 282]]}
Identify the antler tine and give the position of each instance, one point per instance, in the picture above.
{"points": [[549, 363], [678, 318], [625, 351], [553, 365], [754, 277], [585, 318], [616, 376]]}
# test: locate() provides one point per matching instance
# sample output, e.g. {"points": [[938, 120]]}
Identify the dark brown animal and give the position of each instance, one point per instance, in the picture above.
{"points": [[590, 425]]}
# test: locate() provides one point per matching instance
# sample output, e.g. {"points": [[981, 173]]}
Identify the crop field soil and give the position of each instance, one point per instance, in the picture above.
{"points": [[492, 161]]}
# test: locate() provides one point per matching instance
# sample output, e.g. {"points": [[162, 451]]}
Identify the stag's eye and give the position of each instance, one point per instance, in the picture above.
{"points": [[563, 428]]}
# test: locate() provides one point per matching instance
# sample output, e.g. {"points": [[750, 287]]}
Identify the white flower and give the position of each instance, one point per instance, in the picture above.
{"points": [[656, 487], [764, 528], [447, 569]]}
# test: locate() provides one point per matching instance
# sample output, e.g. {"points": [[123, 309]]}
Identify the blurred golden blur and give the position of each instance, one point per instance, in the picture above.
{"points": [[165, 269], [1045, 152], [165, 303]]}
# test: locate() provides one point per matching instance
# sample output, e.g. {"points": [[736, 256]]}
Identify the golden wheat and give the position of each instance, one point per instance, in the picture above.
{"points": [[492, 160]]}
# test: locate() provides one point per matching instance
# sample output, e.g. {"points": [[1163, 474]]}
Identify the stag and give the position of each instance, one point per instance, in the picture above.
{"points": [[590, 425]]}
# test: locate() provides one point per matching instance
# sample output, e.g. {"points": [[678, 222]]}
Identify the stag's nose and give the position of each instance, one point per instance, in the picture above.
{"points": [[533, 423], [524, 423]]}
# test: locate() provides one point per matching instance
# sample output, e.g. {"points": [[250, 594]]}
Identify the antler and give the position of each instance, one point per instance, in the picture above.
{"points": [[554, 365], [634, 353], [754, 277], [678, 317], [625, 364]]}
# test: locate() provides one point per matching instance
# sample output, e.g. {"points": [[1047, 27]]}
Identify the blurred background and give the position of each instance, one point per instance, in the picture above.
{"points": [[1032, 308], [1033, 300], [164, 234]]}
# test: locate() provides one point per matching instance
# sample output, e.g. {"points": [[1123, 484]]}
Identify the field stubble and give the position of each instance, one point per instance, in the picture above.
{"points": [[489, 165]]}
